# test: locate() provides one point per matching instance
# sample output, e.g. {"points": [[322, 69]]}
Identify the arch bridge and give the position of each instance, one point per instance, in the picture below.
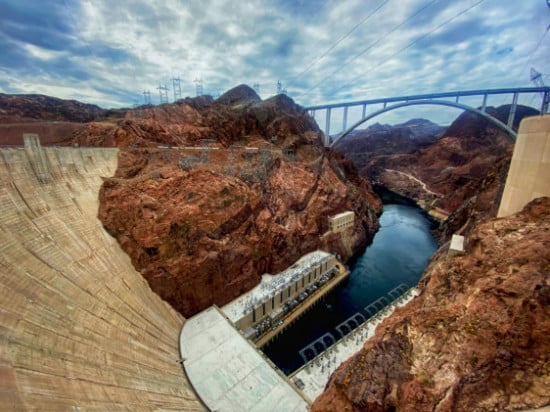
{"points": [[450, 99]]}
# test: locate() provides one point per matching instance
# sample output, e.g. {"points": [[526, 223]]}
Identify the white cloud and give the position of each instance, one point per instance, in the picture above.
{"points": [[118, 49]]}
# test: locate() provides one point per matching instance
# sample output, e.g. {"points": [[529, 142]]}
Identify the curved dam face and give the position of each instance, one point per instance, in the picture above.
{"points": [[80, 329]]}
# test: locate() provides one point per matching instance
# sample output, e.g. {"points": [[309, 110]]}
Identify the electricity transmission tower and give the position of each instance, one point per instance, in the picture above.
{"points": [[280, 89], [163, 94], [147, 97], [198, 83], [536, 78], [176, 85]]}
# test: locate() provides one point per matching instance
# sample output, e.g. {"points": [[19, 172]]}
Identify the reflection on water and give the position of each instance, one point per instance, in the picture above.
{"points": [[398, 254]]}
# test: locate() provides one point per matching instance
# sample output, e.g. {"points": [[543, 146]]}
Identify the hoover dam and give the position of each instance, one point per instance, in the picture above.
{"points": [[80, 328]]}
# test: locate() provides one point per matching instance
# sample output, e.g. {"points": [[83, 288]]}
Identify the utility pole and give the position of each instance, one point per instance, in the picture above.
{"points": [[176, 85], [147, 97], [198, 83], [163, 94]]}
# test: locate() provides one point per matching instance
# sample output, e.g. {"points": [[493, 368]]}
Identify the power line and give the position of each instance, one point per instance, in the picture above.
{"points": [[408, 46], [377, 41], [333, 46]]}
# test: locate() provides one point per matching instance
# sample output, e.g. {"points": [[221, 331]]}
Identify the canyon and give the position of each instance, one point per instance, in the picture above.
{"points": [[203, 196], [475, 338], [442, 170]]}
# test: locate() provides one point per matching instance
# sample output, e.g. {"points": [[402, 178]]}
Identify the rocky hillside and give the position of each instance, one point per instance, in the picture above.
{"points": [[476, 339], [442, 176], [24, 107], [55, 120], [384, 139], [248, 191]]}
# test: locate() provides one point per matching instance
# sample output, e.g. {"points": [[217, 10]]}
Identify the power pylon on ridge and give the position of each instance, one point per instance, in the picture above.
{"points": [[147, 97], [536, 78], [198, 83], [163, 94], [176, 85], [280, 89]]}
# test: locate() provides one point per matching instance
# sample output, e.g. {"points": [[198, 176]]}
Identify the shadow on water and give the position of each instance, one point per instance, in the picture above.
{"points": [[398, 255]]}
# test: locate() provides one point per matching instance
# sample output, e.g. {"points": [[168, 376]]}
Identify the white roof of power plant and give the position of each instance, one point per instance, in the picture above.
{"points": [[349, 212], [271, 284]]}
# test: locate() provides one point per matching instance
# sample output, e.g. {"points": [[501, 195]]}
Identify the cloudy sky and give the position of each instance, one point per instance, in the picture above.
{"points": [[108, 52]]}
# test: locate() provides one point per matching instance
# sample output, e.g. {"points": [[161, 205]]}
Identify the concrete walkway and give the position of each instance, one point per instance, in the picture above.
{"points": [[314, 375], [228, 372]]}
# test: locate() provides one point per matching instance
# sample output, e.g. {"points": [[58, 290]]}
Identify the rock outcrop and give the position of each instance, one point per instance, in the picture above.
{"points": [[55, 120], [442, 176], [252, 195], [476, 339], [361, 145], [40, 107]]}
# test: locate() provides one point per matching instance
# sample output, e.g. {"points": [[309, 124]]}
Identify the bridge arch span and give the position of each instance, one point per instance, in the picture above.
{"points": [[508, 130]]}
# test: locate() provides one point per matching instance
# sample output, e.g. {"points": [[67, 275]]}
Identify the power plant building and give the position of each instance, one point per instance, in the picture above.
{"points": [[263, 307], [341, 221]]}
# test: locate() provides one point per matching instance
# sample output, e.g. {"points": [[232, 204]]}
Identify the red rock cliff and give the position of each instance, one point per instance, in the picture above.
{"points": [[203, 225], [446, 173]]}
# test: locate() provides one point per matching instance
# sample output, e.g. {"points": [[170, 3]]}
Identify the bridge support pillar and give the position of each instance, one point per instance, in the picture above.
{"points": [[345, 119], [512, 114], [484, 103], [327, 127]]}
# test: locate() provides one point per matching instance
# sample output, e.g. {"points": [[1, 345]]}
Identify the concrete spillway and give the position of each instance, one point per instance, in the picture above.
{"points": [[80, 329]]}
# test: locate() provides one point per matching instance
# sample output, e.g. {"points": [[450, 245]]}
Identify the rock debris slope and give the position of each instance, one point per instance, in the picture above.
{"points": [[80, 329]]}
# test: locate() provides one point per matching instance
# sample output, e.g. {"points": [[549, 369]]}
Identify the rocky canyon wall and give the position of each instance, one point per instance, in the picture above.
{"points": [[244, 188], [441, 176], [476, 339]]}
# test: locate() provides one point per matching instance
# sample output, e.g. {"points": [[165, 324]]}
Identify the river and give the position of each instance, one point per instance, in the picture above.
{"points": [[398, 255]]}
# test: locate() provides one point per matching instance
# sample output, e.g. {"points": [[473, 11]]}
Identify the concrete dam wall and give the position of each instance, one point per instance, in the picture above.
{"points": [[80, 329]]}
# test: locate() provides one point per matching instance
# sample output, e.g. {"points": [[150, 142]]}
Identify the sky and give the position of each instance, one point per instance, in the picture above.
{"points": [[322, 51]]}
